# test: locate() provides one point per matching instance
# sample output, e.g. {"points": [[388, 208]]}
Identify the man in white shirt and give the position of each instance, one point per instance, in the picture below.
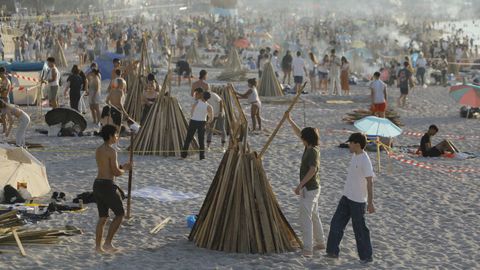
{"points": [[299, 70], [334, 73], [378, 96], [357, 195], [218, 122], [421, 64]]}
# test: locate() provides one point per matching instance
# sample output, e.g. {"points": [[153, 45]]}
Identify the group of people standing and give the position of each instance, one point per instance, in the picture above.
{"points": [[330, 75]]}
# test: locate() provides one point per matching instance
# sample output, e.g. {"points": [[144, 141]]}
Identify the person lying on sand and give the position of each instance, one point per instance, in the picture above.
{"points": [[437, 150]]}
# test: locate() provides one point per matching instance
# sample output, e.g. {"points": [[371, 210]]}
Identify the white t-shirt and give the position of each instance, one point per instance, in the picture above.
{"points": [[253, 97], [214, 101], [275, 63], [298, 65], [378, 96], [421, 63], [355, 187]]}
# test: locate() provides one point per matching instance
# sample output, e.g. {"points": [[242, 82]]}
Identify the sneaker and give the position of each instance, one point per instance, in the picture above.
{"points": [[331, 256], [369, 260]]}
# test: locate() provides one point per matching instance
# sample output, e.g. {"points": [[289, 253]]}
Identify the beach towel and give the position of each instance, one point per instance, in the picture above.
{"points": [[163, 195]]}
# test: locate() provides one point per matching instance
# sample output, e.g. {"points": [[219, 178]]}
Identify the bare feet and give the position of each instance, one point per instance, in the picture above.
{"points": [[99, 250], [109, 248], [307, 253], [319, 247]]}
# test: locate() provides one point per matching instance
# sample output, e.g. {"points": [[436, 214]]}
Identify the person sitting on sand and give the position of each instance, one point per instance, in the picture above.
{"points": [[106, 193], [437, 150]]}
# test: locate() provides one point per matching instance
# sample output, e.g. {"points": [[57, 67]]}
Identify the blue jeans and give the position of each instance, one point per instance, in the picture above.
{"points": [[347, 209]]}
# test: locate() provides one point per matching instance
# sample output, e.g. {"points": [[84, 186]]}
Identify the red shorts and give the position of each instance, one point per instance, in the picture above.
{"points": [[381, 107]]}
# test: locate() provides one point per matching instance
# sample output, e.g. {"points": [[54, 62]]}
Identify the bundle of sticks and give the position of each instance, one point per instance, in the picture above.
{"points": [[227, 92], [10, 219], [165, 128], [359, 114], [136, 84], [269, 84], [31, 236], [233, 69], [240, 212]]}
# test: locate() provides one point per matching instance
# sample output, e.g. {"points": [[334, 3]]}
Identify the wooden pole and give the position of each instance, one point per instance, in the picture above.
{"points": [[274, 133], [378, 153], [19, 243], [130, 176]]}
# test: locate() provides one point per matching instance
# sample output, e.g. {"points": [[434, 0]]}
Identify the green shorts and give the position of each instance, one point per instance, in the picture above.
{"points": [[52, 92]]}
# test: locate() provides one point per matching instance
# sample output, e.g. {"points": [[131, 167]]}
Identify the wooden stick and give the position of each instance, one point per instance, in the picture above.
{"points": [[130, 175], [160, 226], [274, 133], [19, 243]]}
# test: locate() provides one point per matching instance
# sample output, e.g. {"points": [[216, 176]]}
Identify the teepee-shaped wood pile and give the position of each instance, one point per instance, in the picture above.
{"points": [[228, 98], [233, 69], [240, 212], [165, 128], [136, 85], [193, 57], [269, 85], [59, 55]]}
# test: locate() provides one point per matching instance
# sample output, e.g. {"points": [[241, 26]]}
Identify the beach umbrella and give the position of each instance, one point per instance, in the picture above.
{"points": [[358, 44], [380, 127], [65, 115], [17, 165], [242, 43], [467, 94]]}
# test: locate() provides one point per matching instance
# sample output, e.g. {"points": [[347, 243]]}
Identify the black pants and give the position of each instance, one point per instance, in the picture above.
{"points": [[195, 126], [74, 100]]}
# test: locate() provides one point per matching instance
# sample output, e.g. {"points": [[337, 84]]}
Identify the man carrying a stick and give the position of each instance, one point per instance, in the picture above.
{"points": [[107, 194]]}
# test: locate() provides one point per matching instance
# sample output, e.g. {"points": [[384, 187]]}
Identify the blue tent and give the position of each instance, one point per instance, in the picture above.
{"points": [[105, 64], [22, 66]]}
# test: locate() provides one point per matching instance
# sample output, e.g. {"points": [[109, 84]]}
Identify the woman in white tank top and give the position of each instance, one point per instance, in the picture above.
{"points": [[252, 96]]}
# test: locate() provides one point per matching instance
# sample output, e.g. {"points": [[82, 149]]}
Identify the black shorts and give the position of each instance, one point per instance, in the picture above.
{"points": [[404, 90], [107, 196], [298, 79], [184, 71], [116, 116], [433, 152]]}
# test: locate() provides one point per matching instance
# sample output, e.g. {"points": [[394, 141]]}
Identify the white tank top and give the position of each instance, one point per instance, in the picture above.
{"points": [[50, 75], [253, 97], [200, 112]]}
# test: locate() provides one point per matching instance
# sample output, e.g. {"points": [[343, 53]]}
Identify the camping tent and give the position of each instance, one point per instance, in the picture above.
{"points": [[17, 165], [105, 64]]}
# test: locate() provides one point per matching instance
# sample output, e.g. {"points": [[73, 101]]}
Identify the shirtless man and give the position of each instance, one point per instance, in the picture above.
{"points": [[106, 193], [201, 83], [115, 98], [116, 73]]}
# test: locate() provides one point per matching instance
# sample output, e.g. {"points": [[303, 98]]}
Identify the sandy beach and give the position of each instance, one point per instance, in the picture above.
{"points": [[425, 219]]}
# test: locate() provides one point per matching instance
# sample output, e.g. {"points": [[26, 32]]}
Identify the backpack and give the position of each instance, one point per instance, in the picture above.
{"points": [[12, 196]]}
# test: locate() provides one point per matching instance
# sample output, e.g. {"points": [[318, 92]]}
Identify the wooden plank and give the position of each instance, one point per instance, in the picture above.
{"points": [[160, 226], [19, 243]]}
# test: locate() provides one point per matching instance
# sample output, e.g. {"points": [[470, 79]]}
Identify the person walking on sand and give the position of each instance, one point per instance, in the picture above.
{"points": [[309, 189], [378, 95], [357, 195], [202, 115], [334, 73], [256, 105], [201, 83], [53, 80], [106, 193], [218, 119], [344, 74], [299, 71], [7, 111], [405, 82]]}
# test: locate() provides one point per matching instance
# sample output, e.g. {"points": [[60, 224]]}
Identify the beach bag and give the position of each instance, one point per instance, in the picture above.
{"points": [[11, 195]]}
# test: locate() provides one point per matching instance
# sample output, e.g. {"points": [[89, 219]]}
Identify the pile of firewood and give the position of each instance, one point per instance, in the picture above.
{"points": [[269, 84], [359, 114], [233, 69]]}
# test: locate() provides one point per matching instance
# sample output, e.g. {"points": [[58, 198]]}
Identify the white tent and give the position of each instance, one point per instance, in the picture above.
{"points": [[17, 165]]}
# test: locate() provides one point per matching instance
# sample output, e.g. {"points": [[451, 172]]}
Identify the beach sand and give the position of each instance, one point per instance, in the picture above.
{"points": [[425, 219]]}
